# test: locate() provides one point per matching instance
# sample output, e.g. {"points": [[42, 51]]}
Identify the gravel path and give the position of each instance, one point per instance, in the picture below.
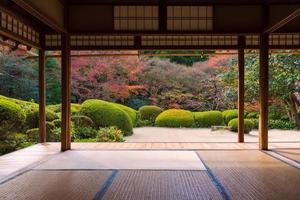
{"points": [[156, 134]]}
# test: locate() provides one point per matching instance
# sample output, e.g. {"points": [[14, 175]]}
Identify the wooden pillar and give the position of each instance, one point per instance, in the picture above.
{"points": [[66, 93], [264, 91], [42, 97], [241, 88]]}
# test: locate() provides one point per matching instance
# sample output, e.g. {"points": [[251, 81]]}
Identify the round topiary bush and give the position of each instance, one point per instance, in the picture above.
{"points": [[131, 112], [208, 119], [149, 112], [105, 114], [175, 118], [11, 116], [229, 115], [248, 125], [82, 121]]}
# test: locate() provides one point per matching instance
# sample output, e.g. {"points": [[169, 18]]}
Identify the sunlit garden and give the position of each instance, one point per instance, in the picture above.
{"points": [[113, 95]]}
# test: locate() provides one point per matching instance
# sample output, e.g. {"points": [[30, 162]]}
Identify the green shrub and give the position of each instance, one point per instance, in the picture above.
{"points": [[13, 142], [25, 105], [110, 134], [229, 115], [57, 123], [208, 119], [86, 140], [149, 112], [11, 116], [255, 123], [280, 124], [252, 115], [105, 114], [55, 135], [57, 108], [32, 119], [84, 133], [248, 125], [82, 121], [175, 118], [33, 134], [5, 147], [131, 112], [143, 123]]}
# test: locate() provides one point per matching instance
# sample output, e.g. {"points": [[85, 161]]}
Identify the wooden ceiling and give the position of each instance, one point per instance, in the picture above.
{"points": [[149, 18]]}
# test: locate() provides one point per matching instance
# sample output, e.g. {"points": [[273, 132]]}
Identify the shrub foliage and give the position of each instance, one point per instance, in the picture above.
{"points": [[149, 112], [229, 115], [175, 118], [11, 116], [131, 112], [208, 119], [248, 125], [105, 114]]}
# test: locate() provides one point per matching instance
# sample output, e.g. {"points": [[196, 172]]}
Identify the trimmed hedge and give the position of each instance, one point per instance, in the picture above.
{"points": [[57, 108], [229, 115], [248, 125], [131, 112], [105, 114], [11, 116], [149, 112], [82, 121], [175, 118], [208, 119], [32, 120]]}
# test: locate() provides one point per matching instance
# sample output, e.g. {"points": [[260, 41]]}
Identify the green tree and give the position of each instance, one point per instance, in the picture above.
{"points": [[53, 81], [284, 81], [18, 77]]}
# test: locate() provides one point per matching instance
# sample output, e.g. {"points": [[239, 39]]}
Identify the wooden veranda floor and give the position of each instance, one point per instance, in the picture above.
{"points": [[231, 171]]}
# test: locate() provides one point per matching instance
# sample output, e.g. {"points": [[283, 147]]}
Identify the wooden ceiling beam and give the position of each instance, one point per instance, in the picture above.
{"points": [[283, 22], [46, 20]]}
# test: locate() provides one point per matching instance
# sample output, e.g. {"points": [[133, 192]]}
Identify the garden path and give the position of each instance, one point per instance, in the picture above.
{"points": [[155, 134]]}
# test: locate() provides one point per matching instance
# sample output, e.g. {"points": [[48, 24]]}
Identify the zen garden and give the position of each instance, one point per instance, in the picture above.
{"points": [[114, 96]]}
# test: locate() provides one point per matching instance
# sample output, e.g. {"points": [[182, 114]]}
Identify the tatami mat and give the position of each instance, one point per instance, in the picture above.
{"points": [[166, 160], [54, 185], [162, 185], [253, 175]]}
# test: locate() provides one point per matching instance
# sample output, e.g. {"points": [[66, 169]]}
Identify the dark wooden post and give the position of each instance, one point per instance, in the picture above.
{"points": [[42, 97], [66, 93], [162, 15], [241, 88], [264, 91]]}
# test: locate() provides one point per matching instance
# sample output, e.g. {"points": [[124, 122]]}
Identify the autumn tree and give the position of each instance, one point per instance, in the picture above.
{"points": [[107, 77]]}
